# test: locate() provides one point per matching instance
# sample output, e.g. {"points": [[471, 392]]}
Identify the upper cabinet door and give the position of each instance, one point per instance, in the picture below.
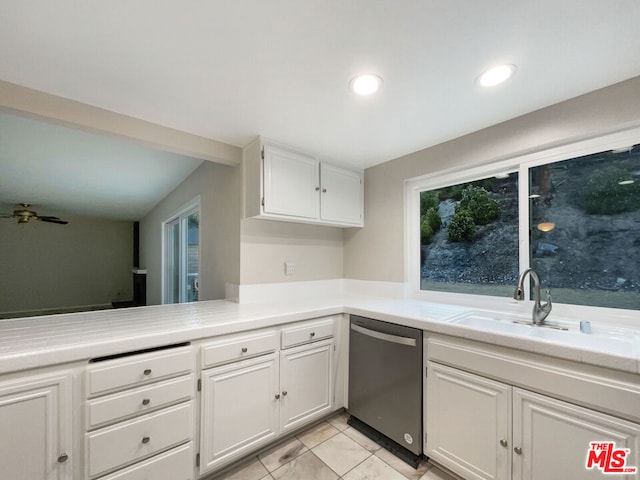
{"points": [[341, 197], [291, 183]]}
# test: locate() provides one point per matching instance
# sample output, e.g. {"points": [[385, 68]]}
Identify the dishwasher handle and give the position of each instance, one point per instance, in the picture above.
{"points": [[387, 337]]}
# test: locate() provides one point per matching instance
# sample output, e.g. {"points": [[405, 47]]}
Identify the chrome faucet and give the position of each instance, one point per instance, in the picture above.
{"points": [[540, 312]]}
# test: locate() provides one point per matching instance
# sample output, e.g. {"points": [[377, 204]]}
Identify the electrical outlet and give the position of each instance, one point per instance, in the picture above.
{"points": [[289, 268]]}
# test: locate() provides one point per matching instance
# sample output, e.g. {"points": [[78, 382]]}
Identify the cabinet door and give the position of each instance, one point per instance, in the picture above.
{"points": [[552, 438], [468, 423], [239, 409], [35, 426], [291, 184], [306, 383], [341, 198]]}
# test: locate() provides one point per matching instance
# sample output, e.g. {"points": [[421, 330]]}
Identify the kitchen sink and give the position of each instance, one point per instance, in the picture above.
{"points": [[507, 322], [621, 340]]}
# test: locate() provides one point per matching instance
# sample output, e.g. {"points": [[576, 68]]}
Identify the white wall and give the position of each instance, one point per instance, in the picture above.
{"points": [[219, 190], [47, 266], [376, 252], [315, 250]]}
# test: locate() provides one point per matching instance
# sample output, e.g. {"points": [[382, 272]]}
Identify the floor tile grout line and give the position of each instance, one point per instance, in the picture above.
{"points": [[393, 468], [356, 466]]}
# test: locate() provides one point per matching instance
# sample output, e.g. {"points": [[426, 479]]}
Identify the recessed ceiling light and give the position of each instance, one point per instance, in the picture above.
{"points": [[365, 84], [496, 75]]}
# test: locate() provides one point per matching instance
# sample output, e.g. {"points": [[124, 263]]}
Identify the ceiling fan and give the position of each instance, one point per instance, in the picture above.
{"points": [[24, 215]]}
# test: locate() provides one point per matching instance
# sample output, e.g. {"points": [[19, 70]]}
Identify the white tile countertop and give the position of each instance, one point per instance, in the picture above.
{"points": [[33, 342]]}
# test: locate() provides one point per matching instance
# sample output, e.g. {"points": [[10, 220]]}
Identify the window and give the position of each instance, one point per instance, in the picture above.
{"points": [[181, 264], [585, 228], [571, 213], [469, 237]]}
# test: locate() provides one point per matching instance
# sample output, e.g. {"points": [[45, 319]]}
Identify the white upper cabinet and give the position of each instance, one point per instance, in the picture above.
{"points": [[291, 183], [341, 195], [283, 184]]}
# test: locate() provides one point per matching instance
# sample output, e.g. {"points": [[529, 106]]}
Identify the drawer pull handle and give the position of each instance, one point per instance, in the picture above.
{"points": [[146, 401], [147, 371], [518, 450], [503, 442], [146, 440], [277, 396], [312, 334], [244, 349], [284, 394], [63, 458]]}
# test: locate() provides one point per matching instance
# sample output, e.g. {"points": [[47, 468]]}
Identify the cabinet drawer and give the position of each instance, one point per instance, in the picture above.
{"points": [[138, 401], [308, 332], [137, 369], [238, 348], [126, 442], [176, 464]]}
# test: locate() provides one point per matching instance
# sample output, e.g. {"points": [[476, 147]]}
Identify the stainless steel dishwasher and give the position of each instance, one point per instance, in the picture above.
{"points": [[385, 385]]}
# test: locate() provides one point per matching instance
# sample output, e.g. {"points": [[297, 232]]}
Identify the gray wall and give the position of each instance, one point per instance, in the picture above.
{"points": [[376, 252], [316, 251], [219, 190], [47, 266]]}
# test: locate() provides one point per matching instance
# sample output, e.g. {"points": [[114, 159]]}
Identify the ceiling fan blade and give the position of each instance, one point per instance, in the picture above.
{"points": [[52, 220], [6, 215]]}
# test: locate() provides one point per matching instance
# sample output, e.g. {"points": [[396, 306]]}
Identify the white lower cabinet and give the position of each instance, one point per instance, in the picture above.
{"points": [[305, 383], [171, 465], [248, 403], [239, 409], [36, 428], [139, 416], [467, 423], [484, 429], [551, 438]]}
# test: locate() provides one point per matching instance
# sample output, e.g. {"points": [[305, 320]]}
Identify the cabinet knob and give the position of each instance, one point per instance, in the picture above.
{"points": [[312, 334], [284, 394], [147, 371], [277, 396], [324, 190], [503, 442], [63, 458], [317, 189], [244, 349], [518, 450], [146, 401], [146, 440]]}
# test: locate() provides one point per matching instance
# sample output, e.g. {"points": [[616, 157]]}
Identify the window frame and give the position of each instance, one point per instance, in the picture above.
{"points": [[521, 164], [179, 216]]}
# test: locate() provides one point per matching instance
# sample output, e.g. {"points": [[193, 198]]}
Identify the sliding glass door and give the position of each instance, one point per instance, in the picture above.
{"points": [[182, 257]]}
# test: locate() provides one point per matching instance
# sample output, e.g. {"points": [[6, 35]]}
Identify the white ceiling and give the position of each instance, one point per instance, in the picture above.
{"points": [[233, 69]]}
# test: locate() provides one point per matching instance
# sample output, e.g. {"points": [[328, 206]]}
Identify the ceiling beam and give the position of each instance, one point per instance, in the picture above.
{"points": [[63, 111]]}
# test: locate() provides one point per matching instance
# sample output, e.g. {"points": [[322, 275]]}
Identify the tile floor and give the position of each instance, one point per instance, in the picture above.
{"points": [[331, 450]]}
